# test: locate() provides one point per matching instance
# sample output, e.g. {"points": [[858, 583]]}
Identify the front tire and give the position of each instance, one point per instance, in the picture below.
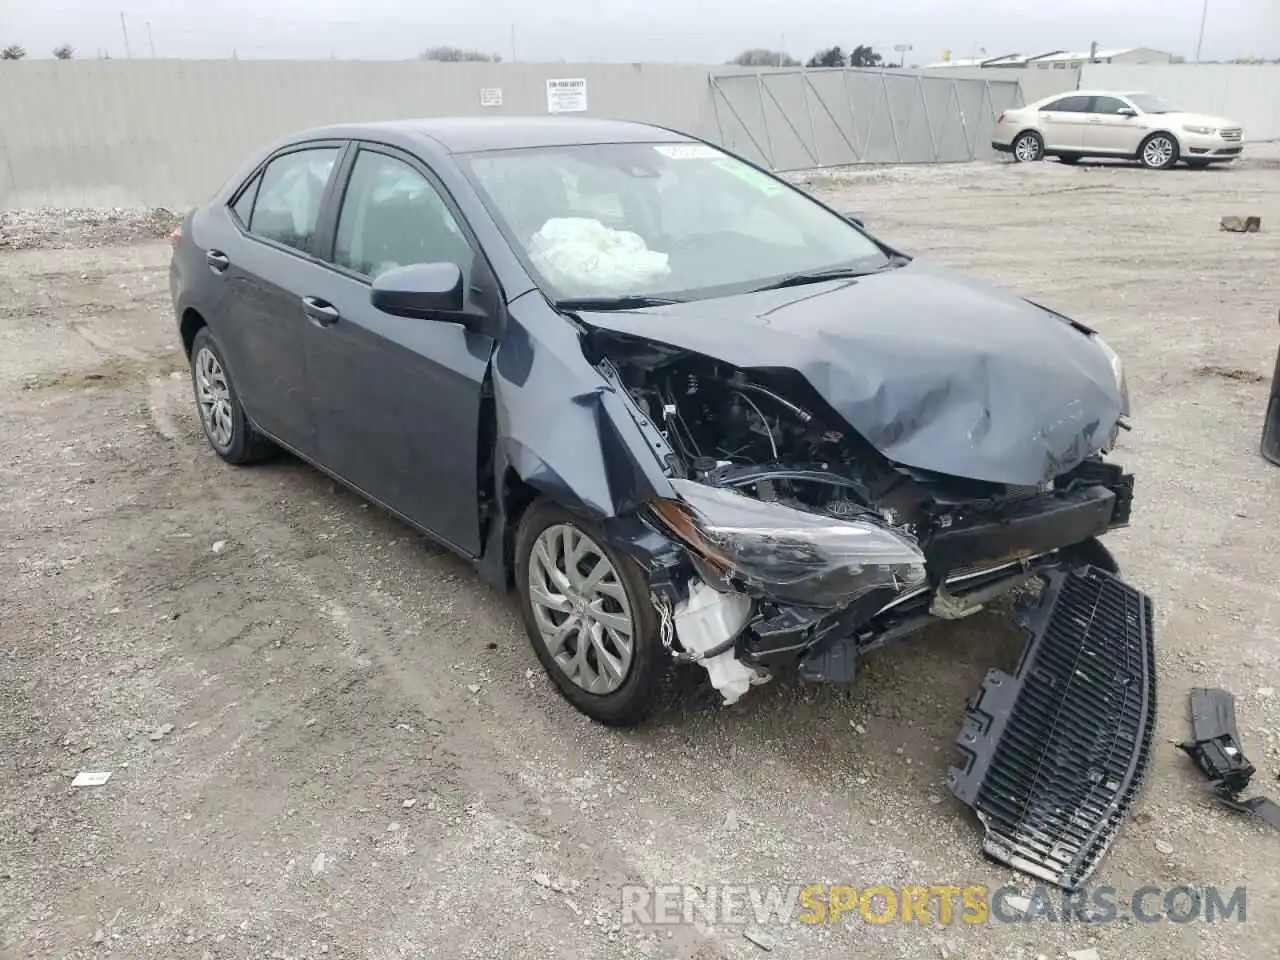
{"points": [[1028, 147], [587, 612], [222, 418], [1158, 152]]}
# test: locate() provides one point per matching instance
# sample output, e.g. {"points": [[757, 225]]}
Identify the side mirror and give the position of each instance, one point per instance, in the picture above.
{"points": [[855, 219], [420, 290], [1127, 112]]}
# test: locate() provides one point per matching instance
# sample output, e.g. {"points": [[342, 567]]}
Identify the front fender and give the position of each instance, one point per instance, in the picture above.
{"points": [[566, 428]]}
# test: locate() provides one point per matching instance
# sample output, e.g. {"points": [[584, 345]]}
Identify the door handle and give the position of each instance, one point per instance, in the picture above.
{"points": [[217, 260], [322, 312]]}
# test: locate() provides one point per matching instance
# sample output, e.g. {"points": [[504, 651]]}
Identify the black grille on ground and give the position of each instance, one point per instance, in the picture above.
{"points": [[1055, 755]]}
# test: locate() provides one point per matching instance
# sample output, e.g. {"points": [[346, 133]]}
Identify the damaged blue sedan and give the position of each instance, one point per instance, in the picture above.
{"points": [[693, 416]]}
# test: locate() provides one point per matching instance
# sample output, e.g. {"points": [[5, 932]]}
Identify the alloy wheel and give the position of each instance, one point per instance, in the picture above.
{"points": [[1027, 149], [1158, 152], [213, 394], [580, 608]]}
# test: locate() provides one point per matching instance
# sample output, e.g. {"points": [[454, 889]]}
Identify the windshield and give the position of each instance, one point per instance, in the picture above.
{"points": [[677, 221], [1150, 103]]}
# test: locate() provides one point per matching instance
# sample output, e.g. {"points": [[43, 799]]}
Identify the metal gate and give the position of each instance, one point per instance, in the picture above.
{"points": [[799, 119]]}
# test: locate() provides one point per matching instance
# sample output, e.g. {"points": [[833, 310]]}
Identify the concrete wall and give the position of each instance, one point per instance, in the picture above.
{"points": [[168, 132], [1247, 93]]}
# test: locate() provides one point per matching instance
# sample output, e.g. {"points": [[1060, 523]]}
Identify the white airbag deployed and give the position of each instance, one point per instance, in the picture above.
{"points": [[574, 252]]}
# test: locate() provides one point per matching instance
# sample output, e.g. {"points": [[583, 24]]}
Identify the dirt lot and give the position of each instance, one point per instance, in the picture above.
{"points": [[321, 666]]}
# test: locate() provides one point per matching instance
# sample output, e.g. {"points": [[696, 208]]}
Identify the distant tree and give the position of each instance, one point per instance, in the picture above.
{"points": [[63, 51], [459, 55], [760, 57], [865, 57], [833, 57], [15, 51]]}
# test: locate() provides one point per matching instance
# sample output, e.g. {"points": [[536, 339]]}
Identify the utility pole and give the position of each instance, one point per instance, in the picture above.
{"points": [[151, 42], [1204, 15], [124, 28], [513, 43]]}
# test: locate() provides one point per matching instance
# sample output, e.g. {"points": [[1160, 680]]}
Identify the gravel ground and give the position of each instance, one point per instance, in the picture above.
{"points": [[327, 738]]}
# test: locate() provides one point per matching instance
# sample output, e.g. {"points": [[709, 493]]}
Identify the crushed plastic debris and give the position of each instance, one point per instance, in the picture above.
{"points": [[1214, 747], [87, 779], [760, 939], [1241, 224]]}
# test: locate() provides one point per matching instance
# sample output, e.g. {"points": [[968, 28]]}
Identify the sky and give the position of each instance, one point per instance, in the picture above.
{"points": [[708, 31]]}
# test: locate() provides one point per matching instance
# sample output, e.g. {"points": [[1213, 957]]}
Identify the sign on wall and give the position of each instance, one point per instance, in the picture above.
{"points": [[566, 96], [490, 96]]}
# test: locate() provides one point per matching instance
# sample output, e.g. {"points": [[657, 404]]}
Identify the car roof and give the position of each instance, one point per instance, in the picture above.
{"points": [[470, 134], [1091, 93]]}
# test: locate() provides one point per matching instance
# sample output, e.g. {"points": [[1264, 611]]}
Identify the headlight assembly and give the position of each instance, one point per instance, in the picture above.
{"points": [[788, 555], [1201, 130]]}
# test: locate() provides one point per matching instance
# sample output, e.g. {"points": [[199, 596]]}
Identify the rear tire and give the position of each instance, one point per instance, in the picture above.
{"points": [[579, 598], [222, 418], [1158, 152], [1028, 147]]}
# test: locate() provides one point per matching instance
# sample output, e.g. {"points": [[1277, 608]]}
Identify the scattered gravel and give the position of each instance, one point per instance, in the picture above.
{"points": [[77, 229], [328, 655]]}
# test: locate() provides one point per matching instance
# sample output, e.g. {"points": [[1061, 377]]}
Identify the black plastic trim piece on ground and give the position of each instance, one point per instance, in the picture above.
{"points": [[1054, 756], [1215, 748]]}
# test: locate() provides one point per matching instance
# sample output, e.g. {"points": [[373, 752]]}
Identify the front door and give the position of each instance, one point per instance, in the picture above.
{"points": [[397, 400], [1112, 131]]}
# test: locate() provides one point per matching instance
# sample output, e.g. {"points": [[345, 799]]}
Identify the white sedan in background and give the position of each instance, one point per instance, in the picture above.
{"points": [[1134, 126]]}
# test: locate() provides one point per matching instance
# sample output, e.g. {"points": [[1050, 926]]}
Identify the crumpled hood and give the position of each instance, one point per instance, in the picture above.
{"points": [[935, 371]]}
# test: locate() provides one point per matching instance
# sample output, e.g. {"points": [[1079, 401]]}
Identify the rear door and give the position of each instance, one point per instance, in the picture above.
{"points": [[1112, 131], [1062, 123], [397, 400], [266, 269]]}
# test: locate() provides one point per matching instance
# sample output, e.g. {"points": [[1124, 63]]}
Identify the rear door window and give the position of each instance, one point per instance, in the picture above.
{"points": [[1068, 105], [243, 207], [287, 206]]}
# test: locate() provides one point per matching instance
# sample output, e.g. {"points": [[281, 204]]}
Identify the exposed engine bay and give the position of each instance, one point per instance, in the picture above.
{"points": [[769, 436], [807, 547], [838, 548], [728, 429]]}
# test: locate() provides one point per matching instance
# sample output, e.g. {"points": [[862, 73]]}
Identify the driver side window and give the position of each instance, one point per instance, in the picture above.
{"points": [[1110, 105], [392, 216]]}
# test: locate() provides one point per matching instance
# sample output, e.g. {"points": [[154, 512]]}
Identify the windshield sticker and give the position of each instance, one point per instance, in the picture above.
{"points": [[750, 176], [687, 151]]}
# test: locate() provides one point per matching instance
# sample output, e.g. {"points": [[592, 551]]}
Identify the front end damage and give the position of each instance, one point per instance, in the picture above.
{"points": [[801, 547]]}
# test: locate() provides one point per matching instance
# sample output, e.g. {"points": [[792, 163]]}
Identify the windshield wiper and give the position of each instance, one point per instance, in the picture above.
{"points": [[630, 302], [832, 273]]}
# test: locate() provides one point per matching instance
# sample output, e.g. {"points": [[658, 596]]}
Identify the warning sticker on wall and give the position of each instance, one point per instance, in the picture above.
{"points": [[490, 96], [566, 96]]}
